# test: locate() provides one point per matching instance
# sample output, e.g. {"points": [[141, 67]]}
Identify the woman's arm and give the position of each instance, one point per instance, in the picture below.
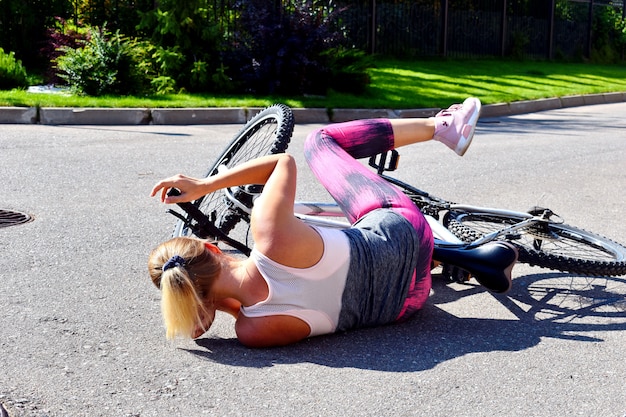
{"points": [[270, 331], [277, 232], [256, 171]]}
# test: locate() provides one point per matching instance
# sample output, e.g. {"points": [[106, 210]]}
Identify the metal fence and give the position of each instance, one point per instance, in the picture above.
{"points": [[467, 28], [401, 28], [455, 28]]}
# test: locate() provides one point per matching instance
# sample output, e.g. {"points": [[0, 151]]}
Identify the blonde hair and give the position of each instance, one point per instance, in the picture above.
{"points": [[184, 288]]}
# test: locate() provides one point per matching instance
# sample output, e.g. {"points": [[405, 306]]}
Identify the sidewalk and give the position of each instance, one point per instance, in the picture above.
{"points": [[191, 116]]}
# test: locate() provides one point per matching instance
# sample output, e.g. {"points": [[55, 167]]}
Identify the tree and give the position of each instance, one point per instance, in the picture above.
{"points": [[23, 26], [185, 43]]}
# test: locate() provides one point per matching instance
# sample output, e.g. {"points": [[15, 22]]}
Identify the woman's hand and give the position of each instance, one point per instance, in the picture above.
{"points": [[190, 189]]}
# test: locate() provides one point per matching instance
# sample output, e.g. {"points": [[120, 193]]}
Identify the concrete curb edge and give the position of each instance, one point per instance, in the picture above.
{"points": [[232, 115]]}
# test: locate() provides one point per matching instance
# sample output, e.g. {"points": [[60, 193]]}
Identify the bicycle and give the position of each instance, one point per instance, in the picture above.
{"points": [[461, 231]]}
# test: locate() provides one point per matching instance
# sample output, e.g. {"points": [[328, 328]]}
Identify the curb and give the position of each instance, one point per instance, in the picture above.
{"points": [[233, 115], [198, 116], [96, 116], [18, 115]]}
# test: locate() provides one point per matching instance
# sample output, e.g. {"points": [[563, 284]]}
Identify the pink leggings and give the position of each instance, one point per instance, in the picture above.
{"points": [[331, 152]]}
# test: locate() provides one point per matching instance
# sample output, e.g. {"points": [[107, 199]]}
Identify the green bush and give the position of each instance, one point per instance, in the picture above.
{"points": [[609, 35], [61, 35], [184, 42], [104, 65], [348, 69], [158, 67], [12, 73]]}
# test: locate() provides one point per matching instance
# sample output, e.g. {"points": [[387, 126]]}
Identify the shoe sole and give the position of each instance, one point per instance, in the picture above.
{"points": [[466, 141]]}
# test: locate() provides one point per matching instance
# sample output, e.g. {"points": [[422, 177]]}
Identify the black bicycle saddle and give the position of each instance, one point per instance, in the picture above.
{"points": [[490, 264]]}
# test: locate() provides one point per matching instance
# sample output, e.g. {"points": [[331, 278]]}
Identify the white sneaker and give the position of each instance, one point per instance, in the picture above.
{"points": [[454, 127]]}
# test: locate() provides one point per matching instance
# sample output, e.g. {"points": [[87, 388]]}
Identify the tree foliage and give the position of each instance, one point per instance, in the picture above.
{"points": [[12, 73], [283, 52], [23, 25], [252, 46], [102, 65], [183, 44]]}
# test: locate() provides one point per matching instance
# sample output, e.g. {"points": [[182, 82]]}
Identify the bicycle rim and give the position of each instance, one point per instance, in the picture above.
{"points": [[550, 245], [269, 132]]}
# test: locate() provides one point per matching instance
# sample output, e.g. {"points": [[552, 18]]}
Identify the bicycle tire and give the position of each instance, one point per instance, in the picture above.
{"points": [[268, 132], [556, 246]]}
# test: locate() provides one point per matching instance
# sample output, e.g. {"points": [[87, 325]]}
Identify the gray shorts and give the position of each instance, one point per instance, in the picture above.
{"points": [[384, 250]]}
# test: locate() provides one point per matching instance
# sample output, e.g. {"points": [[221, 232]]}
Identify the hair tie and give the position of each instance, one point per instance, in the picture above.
{"points": [[174, 262]]}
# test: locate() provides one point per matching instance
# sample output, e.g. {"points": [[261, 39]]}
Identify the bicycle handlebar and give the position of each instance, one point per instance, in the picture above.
{"points": [[203, 227]]}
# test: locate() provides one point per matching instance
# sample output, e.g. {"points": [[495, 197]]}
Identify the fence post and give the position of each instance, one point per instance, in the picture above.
{"points": [[444, 27], [589, 28], [503, 30], [551, 30], [373, 29]]}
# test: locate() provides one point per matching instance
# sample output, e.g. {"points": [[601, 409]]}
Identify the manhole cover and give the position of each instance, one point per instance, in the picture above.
{"points": [[13, 218]]}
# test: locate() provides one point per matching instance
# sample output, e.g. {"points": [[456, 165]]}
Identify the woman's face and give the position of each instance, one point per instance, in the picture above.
{"points": [[207, 315]]}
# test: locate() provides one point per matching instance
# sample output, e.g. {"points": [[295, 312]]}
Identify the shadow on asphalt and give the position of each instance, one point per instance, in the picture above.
{"points": [[552, 305], [133, 131], [516, 125]]}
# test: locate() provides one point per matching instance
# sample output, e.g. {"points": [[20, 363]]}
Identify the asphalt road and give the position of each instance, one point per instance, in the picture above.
{"points": [[80, 326]]}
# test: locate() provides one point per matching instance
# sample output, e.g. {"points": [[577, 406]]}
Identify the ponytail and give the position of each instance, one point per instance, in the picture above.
{"points": [[184, 269], [180, 304]]}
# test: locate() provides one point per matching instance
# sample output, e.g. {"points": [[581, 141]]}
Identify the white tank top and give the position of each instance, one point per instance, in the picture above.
{"points": [[310, 294]]}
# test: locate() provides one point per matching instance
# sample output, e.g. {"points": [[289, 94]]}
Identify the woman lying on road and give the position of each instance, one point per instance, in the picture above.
{"points": [[300, 280]]}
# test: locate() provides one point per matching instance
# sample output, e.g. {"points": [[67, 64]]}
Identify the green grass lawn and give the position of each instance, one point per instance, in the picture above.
{"points": [[437, 83], [395, 84]]}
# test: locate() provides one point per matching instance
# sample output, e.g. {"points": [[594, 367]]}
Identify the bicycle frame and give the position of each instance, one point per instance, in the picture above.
{"points": [[326, 215], [319, 213]]}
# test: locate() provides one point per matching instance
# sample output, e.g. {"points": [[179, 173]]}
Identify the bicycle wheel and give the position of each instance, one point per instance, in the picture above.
{"points": [[547, 244], [269, 132]]}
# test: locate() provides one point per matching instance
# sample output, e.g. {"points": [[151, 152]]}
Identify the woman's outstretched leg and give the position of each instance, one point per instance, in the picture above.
{"points": [[331, 153]]}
